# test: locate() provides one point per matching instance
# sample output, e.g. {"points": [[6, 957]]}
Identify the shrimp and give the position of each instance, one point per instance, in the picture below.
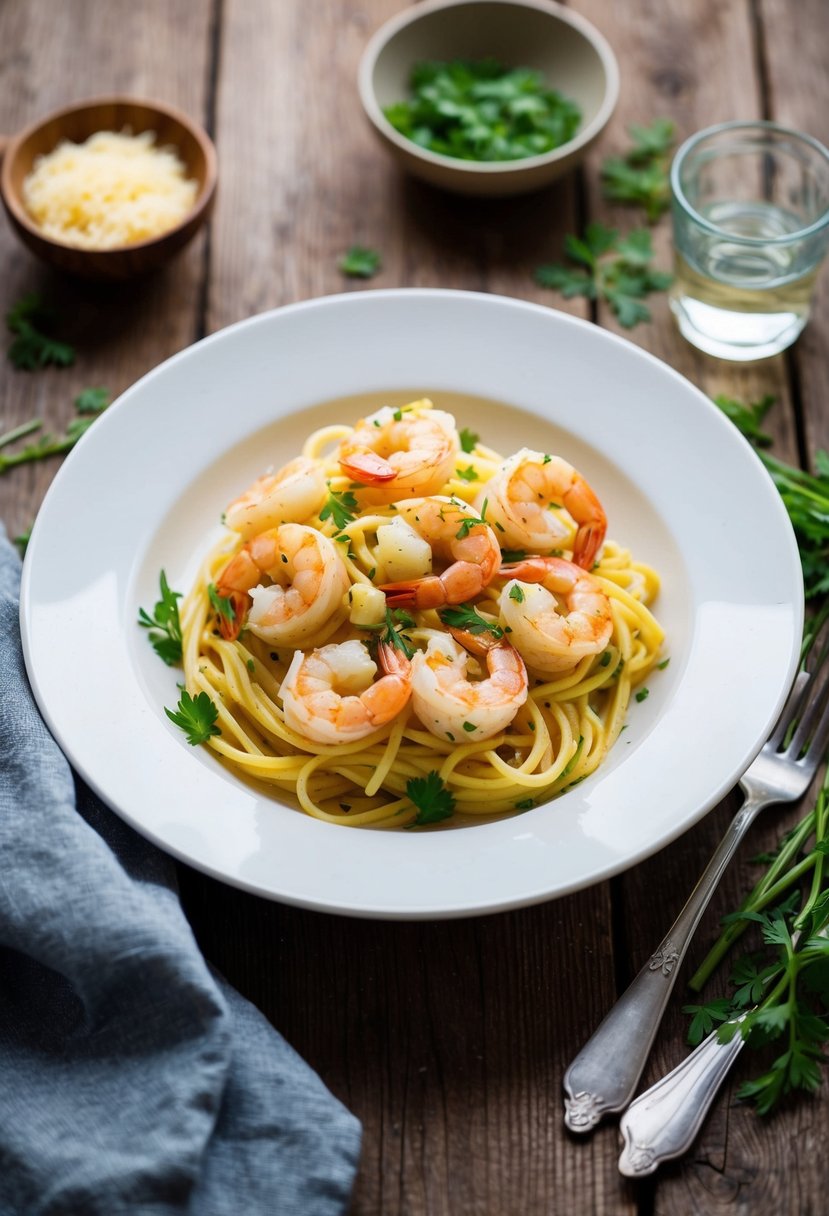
{"points": [[450, 705], [453, 531], [550, 640], [294, 493], [400, 453], [307, 584], [328, 695], [519, 497]]}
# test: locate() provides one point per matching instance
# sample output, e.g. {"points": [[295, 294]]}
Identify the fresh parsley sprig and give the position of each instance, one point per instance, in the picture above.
{"points": [[88, 405], [164, 625], [340, 507], [397, 621], [222, 604], [609, 267], [640, 175], [805, 495], [469, 439], [466, 617], [32, 348], [432, 799], [196, 716]]}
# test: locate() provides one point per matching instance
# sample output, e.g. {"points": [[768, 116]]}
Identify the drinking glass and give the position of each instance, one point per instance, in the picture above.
{"points": [[750, 205]]}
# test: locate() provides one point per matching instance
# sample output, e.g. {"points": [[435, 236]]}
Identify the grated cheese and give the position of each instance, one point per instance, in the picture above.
{"points": [[113, 190]]}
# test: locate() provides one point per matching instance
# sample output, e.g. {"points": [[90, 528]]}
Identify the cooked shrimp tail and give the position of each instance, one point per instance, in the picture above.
{"points": [[454, 532], [521, 498], [367, 467]]}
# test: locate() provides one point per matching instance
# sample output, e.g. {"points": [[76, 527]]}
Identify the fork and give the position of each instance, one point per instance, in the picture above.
{"points": [[603, 1076]]}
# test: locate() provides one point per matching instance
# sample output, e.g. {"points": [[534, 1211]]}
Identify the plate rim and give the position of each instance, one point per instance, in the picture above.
{"points": [[446, 911]]}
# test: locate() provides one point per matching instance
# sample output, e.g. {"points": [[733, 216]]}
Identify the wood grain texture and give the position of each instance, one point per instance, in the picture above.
{"points": [[449, 1040], [795, 54]]}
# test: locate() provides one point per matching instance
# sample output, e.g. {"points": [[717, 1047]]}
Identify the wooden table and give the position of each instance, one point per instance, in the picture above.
{"points": [[449, 1040]]}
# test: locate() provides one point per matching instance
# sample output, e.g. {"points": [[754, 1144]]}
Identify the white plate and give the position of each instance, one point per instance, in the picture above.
{"points": [[145, 488]]}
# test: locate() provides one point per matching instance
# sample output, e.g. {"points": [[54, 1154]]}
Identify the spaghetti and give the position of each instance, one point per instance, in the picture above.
{"points": [[413, 579]]}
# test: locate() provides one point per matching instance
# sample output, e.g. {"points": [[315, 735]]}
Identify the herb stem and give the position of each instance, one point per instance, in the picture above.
{"points": [[18, 432]]}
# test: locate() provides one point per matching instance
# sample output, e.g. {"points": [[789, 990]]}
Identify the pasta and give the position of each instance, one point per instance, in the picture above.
{"points": [[372, 617]]}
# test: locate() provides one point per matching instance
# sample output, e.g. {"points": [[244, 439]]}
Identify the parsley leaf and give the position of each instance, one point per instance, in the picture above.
{"points": [[748, 417], [196, 716], [640, 176], [465, 617], [88, 404], [467, 474], [481, 110], [469, 439], [340, 507], [704, 1017], [805, 495], [433, 800], [164, 624], [395, 636], [359, 262], [32, 348], [222, 604], [611, 268]]}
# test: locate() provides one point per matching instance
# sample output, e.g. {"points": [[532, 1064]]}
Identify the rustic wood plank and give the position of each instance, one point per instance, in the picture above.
{"points": [[795, 45], [51, 55]]}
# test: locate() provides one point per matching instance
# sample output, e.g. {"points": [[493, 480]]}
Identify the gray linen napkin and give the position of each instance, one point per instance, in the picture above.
{"points": [[132, 1079]]}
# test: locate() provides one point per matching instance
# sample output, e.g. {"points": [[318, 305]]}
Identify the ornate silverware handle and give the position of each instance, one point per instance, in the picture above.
{"points": [[604, 1075], [663, 1122]]}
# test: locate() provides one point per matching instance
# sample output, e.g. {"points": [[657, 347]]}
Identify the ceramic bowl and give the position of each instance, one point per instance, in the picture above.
{"points": [[77, 123], [573, 56]]}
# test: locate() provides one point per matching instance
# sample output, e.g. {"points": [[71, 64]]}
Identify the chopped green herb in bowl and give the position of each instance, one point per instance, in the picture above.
{"points": [[481, 110], [488, 97]]}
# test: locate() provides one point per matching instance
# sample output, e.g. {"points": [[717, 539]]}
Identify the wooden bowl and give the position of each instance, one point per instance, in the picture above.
{"points": [[77, 123], [574, 58]]}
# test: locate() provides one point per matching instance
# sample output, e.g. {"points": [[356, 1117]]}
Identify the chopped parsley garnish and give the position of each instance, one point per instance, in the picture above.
{"points": [[465, 616], [32, 348], [469, 439], [433, 800], [469, 727], [222, 604], [340, 507], [196, 716], [513, 555], [516, 592], [471, 521], [164, 625], [397, 619], [609, 267], [359, 262], [661, 666], [525, 804], [642, 694], [467, 474], [482, 110]]}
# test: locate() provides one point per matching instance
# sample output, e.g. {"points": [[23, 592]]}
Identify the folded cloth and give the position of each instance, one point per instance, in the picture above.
{"points": [[132, 1078]]}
